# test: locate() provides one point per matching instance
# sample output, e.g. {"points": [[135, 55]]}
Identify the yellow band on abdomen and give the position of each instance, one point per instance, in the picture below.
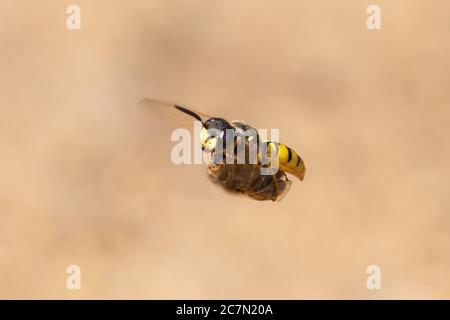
{"points": [[288, 160]]}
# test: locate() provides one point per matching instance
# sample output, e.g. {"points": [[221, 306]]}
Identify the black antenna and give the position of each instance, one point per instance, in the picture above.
{"points": [[189, 112]]}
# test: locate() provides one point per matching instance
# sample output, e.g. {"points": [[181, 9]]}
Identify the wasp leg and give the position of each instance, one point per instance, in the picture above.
{"points": [[281, 187], [275, 186]]}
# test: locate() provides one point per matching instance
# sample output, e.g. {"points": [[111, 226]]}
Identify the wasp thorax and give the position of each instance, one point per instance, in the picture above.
{"points": [[217, 123], [229, 142]]}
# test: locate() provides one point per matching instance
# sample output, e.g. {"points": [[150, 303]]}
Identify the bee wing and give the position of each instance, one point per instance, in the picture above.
{"points": [[178, 115]]}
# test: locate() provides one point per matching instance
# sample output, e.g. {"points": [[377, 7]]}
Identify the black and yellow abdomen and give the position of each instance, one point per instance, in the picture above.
{"points": [[288, 160]]}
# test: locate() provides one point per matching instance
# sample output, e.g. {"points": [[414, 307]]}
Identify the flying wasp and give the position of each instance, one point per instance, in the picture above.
{"points": [[241, 177]]}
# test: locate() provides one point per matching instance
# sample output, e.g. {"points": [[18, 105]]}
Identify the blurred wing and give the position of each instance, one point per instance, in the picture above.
{"points": [[176, 114]]}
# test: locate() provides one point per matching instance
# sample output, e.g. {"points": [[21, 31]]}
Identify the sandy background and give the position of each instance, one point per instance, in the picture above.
{"points": [[86, 177]]}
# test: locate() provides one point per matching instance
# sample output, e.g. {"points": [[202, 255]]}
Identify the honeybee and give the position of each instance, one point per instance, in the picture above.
{"points": [[224, 168]]}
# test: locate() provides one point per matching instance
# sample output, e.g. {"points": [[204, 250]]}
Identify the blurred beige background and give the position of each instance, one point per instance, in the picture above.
{"points": [[86, 178]]}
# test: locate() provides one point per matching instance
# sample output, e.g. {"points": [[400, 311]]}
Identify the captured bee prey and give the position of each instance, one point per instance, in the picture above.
{"points": [[239, 158]]}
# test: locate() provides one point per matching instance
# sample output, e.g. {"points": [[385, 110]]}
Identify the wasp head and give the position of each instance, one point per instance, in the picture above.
{"points": [[214, 133]]}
